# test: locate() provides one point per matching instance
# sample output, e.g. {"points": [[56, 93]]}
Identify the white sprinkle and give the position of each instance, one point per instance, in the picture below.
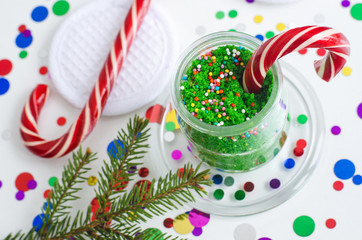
{"points": [[199, 66], [234, 55], [206, 94], [247, 119], [243, 110], [230, 73], [203, 109], [182, 87], [222, 75]]}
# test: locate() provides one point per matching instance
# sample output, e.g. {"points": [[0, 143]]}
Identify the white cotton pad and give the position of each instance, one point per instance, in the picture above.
{"points": [[81, 46]]}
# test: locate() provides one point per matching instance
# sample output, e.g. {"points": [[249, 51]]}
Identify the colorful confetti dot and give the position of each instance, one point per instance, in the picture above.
{"points": [[289, 163], [229, 181], [168, 223], [20, 195], [303, 226], [43, 70], [220, 15], [269, 34], [359, 110], [249, 187], [176, 154], [244, 232], [331, 223], [170, 126], [344, 169], [258, 18], [21, 181], [338, 185], [233, 13], [356, 11], [4, 86], [321, 52], [298, 152], [303, 51], [260, 37], [302, 119], [143, 172], [357, 179], [60, 8], [217, 179], [155, 113], [113, 147], [61, 121], [47, 193], [32, 184], [92, 180], [218, 194], [274, 183], [52, 181], [198, 219], [5, 67], [346, 71], [38, 221], [169, 136], [335, 130], [1, 183], [345, 3], [264, 238], [182, 225], [250, 1], [239, 195], [23, 40], [301, 143], [280, 27], [197, 232], [39, 13], [22, 28], [23, 54]]}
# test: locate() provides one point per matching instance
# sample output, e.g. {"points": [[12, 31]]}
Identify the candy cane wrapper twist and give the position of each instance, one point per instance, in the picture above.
{"points": [[293, 40], [92, 111]]}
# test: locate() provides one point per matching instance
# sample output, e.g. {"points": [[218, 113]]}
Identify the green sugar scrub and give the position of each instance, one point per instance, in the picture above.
{"points": [[211, 91], [227, 128]]}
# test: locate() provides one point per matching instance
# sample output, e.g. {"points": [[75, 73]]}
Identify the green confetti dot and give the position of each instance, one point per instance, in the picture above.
{"points": [[356, 11], [220, 15], [233, 13], [269, 34], [60, 8], [304, 226], [23, 54], [239, 195], [302, 119], [150, 234], [232, 30], [288, 117], [170, 126], [218, 194], [229, 181], [52, 181]]}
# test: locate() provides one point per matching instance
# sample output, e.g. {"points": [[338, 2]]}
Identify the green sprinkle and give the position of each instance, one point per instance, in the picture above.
{"points": [[302, 119], [229, 181], [52, 181], [269, 34], [303, 226], [23, 54], [239, 195], [60, 8], [220, 15], [232, 30], [170, 126], [218, 194], [288, 117], [233, 13]]}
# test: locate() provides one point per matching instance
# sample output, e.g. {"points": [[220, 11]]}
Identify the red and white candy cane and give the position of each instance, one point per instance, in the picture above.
{"points": [[92, 111], [294, 40]]}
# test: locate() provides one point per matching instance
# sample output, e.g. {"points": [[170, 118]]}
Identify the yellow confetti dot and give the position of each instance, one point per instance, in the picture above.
{"points": [[258, 18], [219, 115], [192, 104], [346, 71], [280, 26], [92, 180], [182, 224], [196, 110], [171, 117]]}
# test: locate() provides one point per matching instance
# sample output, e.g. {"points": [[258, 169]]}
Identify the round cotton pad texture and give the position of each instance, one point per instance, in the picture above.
{"points": [[81, 46]]}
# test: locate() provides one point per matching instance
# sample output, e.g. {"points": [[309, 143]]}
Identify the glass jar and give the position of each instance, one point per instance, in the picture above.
{"points": [[240, 147]]}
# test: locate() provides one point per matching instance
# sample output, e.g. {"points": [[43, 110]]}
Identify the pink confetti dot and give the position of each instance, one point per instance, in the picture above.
{"points": [[335, 130], [176, 154]]}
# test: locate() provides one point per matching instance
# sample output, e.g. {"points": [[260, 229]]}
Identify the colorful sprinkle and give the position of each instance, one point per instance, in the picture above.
{"points": [[169, 136], [61, 121], [304, 226], [168, 223], [60, 7], [269, 34], [301, 143], [39, 14], [218, 194], [23, 54], [289, 163], [176, 154], [303, 51], [19, 195], [274, 183], [249, 187], [344, 169], [346, 71], [92, 180], [338, 185], [220, 15], [4, 86], [38, 221], [280, 27], [321, 52], [239, 195], [21, 181], [298, 152], [335, 130], [345, 3], [357, 179], [258, 18], [233, 13], [43, 70], [331, 223], [5, 67], [302, 119], [143, 172], [52, 181]]}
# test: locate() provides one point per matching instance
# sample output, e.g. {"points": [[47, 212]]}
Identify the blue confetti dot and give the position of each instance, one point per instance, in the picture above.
{"points": [[112, 147], [344, 169], [38, 221], [23, 42], [217, 179], [289, 163], [45, 206], [357, 179], [260, 37], [4, 86], [39, 14]]}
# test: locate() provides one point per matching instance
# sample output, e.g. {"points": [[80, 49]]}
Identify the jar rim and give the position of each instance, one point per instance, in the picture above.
{"points": [[203, 45]]}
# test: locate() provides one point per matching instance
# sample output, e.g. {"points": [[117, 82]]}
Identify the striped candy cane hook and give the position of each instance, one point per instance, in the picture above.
{"points": [[293, 40], [92, 111]]}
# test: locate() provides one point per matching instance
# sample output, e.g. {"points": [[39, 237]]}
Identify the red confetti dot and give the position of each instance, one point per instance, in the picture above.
{"points": [[248, 186], [331, 223], [61, 121], [121, 184], [303, 51], [47, 194], [22, 180], [301, 143], [180, 172], [321, 52], [168, 223], [338, 185], [140, 184], [22, 28], [155, 113], [5, 67], [143, 172], [298, 151], [43, 70]]}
